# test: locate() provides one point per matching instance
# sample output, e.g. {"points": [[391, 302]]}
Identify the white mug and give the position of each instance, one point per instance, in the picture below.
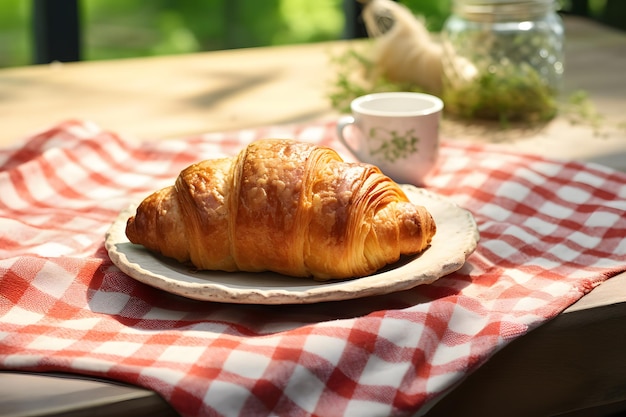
{"points": [[396, 131]]}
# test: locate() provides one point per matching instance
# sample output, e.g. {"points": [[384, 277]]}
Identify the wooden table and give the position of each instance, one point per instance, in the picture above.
{"points": [[575, 361]]}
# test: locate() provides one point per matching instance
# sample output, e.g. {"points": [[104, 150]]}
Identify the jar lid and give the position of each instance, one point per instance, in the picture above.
{"points": [[490, 10], [504, 2]]}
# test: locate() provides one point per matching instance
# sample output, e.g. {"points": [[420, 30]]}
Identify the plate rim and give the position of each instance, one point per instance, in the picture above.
{"points": [[304, 294]]}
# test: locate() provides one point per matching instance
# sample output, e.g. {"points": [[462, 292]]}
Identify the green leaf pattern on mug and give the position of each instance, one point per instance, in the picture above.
{"points": [[394, 145]]}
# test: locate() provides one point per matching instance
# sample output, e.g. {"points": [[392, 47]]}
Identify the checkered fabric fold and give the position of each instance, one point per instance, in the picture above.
{"points": [[550, 232]]}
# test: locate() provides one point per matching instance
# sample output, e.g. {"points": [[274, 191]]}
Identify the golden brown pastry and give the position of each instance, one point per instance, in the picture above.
{"points": [[283, 206]]}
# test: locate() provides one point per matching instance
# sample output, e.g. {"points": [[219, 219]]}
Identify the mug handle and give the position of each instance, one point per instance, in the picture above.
{"points": [[342, 123]]}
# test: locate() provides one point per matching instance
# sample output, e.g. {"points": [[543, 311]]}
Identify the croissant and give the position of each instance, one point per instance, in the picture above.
{"points": [[283, 206]]}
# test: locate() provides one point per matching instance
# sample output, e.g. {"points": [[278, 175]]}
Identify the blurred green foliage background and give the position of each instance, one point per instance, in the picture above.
{"points": [[129, 28]]}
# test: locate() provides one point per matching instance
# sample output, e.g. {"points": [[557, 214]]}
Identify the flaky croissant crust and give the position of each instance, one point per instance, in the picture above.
{"points": [[283, 206]]}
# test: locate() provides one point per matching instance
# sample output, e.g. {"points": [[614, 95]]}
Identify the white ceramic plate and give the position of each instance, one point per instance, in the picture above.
{"points": [[456, 238]]}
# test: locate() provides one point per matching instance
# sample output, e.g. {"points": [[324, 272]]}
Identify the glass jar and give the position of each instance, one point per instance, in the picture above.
{"points": [[503, 59]]}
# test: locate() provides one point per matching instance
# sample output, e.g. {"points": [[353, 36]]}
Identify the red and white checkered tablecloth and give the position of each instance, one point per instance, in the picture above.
{"points": [[550, 232]]}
